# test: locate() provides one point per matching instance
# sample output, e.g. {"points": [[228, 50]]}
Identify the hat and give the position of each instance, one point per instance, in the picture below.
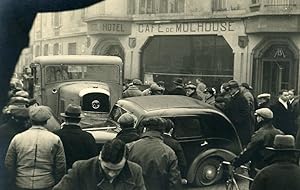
{"points": [[160, 83], [233, 84], [126, 119], [16, 111], [178, 81], [18, 100], [283, 143], [264, 112], [210, 90], [190, 86], [22, 93], [154, 87], [264, 95], [247, 86], [137, 82], [72, 111], [40, 113]]}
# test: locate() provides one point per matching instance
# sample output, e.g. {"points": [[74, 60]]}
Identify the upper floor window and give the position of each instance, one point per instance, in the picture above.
{"points": [[56, 20], [56, 49], [46, 49], [72, 48], [219, 5], [159, 6], [131, 7]]}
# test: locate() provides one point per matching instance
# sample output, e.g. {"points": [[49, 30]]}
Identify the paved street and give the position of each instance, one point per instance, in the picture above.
{"points": [[243, 186]]}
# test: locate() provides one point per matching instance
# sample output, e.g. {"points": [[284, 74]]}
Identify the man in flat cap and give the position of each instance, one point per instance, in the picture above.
{"points": [[128, 132], [263, 137], [156, 158], [78, 144], [35, 158]]}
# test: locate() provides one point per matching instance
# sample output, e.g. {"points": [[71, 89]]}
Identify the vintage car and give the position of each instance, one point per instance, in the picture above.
{"points": [[206, 135], [93, 82]]}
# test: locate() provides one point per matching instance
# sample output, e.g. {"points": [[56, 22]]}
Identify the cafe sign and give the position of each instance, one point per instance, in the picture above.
{"points": [[187, 27]]}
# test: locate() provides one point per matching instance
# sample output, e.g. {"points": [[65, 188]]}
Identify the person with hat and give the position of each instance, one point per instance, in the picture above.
{"points": [[178, 90], [263, 100], [191, 91], [133, 89], [110, 170], [246, 91], [16, 121], [210, 95], [128, 132], [158, 160], [238, 111], [263, 137], [35, 158], [78, 144], [284, 172]]}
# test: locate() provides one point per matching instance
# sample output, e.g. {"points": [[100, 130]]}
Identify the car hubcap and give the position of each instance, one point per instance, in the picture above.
{"points": [[210, 173]]}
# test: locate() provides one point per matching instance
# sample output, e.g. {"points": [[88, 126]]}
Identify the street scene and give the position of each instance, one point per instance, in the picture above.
{"points": [[149, 94]]}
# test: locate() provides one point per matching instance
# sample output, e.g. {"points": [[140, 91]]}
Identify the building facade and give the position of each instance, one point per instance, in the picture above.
{"points": [[253, 41]]}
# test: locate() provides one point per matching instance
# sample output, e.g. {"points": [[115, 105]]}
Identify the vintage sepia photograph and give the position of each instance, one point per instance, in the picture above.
{"points": [[149, 94]]}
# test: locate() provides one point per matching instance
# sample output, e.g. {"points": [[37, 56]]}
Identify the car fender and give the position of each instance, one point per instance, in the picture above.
{"points": [[221, 153]]}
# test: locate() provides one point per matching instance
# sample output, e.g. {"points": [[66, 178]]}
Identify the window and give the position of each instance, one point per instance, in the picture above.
{"points": [[188, 127], [190, 57], [56, 20], [130, 7], [56, 49], [72, 48], [46, 49], [219, 5], [162, 6], [37, 50]]}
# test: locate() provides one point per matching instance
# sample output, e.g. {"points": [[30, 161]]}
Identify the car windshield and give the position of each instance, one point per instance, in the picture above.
{"points": [[105, 73]]}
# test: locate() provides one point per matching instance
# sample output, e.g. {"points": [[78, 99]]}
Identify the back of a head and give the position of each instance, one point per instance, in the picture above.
{"points": [[168, 125], [113, 151], [154, 124], [39, 115]]}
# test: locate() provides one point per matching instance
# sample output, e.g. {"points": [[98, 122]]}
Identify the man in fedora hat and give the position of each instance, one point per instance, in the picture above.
{"points": [[178, 90], [238, 111], [284, 173], [78, 144], [35, 158]]}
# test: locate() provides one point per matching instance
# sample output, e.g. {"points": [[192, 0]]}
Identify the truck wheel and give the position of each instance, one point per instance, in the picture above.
{"points": [[207, 172]]}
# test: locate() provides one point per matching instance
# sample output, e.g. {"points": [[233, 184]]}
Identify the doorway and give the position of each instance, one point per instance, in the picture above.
{"points": [[275, 76], [275, 67]]}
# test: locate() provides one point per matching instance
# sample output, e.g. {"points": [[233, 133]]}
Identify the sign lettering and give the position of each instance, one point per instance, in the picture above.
{"points": [[193, 27]]}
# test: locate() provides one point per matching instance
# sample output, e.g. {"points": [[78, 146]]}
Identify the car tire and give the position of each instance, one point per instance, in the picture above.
{"points": [[207, 172]]}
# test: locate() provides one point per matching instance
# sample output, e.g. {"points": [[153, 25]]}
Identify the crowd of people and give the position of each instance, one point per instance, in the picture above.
{"points": [[38, 154]]}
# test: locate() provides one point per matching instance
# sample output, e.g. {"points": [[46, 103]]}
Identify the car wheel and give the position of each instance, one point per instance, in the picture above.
{"points": [[207, 172]]}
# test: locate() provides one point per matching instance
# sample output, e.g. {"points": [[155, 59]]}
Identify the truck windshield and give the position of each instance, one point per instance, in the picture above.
{"points": [[104, 73]]}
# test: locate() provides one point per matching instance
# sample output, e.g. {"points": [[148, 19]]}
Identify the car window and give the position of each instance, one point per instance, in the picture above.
{"points": [[116, 112], [188, 126]]}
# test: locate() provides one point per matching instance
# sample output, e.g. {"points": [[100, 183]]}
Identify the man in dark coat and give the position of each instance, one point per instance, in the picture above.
{"points": [[263, 137], [110, 170], [16, 19], [284, 172], [128, 132], [178, 90], [18, 121], [158, 160], [238, 111], [175, 145], [283, 119], [78, 144]]}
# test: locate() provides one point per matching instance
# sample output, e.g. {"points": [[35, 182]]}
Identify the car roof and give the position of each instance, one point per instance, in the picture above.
{"points": [[77, 59], [165, 105]]}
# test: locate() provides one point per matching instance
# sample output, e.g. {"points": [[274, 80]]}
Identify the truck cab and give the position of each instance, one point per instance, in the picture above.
{"points": [[93, 82]]}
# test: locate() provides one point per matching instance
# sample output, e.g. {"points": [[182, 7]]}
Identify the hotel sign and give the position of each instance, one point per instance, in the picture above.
{"points": [[109, 27], [188, 27]]}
